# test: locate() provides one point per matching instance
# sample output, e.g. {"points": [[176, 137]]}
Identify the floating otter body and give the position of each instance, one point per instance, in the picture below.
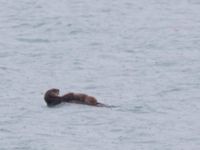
{"points": [[52, 98], [79, 98]]}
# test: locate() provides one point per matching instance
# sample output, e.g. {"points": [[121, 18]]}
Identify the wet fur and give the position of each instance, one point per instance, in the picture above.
{"points": [[79, 98], [51, 97]]}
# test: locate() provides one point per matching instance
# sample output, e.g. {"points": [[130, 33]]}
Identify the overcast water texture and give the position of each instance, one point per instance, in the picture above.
{"points": [[142, 56]]}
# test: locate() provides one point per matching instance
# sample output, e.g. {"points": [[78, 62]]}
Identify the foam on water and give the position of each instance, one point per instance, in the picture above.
{"points": [[141, 56]]}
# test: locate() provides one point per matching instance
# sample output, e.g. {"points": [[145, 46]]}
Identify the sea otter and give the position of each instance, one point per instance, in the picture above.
{"points": [[52, 98]]}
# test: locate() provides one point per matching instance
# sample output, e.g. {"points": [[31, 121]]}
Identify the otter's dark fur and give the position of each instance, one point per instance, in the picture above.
{"points": [[79, 98], [52, 98]]}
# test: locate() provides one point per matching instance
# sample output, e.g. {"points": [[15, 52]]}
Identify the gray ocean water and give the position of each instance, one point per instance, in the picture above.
{"points": [[141, 56]]}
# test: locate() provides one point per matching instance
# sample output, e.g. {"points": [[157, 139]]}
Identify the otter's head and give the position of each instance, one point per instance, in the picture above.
{"points": [[53, 92], [51, 96]]}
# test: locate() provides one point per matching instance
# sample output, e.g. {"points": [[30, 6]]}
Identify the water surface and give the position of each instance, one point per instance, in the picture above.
{"points": [[141, 56]]}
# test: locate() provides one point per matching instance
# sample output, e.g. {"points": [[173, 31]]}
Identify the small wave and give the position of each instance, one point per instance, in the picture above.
{"points": [[36, 40], [5, 130]]}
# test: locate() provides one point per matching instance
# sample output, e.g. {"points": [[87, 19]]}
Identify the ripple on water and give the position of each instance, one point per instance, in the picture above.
{"points": [[33, 40], [138, 109]]}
